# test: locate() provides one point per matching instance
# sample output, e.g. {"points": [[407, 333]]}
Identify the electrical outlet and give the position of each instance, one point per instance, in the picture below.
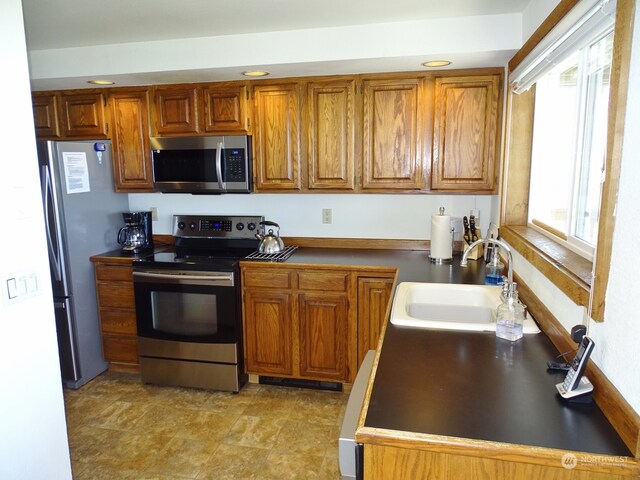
{"points": [[326, 215], [154, 213]]}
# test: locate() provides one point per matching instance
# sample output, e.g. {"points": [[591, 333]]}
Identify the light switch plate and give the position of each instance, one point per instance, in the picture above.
{"points": [[19, 287]]}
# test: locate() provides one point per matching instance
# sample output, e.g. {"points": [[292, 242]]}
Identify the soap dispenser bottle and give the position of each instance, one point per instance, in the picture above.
{"points": [[493, 269], [510, 316]]}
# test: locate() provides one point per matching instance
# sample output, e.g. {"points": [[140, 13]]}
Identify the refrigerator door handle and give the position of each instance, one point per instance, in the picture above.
{"points": [[54, 253]]}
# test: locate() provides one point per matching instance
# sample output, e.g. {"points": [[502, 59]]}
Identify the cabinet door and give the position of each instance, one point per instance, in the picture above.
{"points": [[330, 123], [45, 115], [393, 134], [324, 335], [130, 136], [466, 137], [82, 115], [225, 109], [373, 299], [268, 334], [175, 110], [277, 137]]}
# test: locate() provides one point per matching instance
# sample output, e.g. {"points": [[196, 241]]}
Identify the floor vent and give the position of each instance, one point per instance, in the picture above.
{"points": [[299, 383]]}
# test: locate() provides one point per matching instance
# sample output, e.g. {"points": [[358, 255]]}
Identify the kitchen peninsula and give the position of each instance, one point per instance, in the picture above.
{"points": [[447, 404]]}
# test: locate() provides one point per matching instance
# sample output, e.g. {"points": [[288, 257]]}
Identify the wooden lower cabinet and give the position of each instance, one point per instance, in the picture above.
{"points": [[311, 322], [298, 322], [268, 332], [324, 333], [116, 306], [402, 461], [374, 294]]}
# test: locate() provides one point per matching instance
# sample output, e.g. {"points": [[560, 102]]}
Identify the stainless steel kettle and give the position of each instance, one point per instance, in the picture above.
{"points": [[270, 242]]}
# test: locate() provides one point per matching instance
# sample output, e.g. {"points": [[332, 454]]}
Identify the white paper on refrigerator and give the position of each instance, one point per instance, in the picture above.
{"points": [[76, 172]]}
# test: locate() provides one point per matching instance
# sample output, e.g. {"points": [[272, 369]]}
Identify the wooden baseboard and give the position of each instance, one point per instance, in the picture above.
{"points": [[124, 367], [617, 410]]}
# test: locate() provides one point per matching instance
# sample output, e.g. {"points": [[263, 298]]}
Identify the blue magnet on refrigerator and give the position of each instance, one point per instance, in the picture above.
{"points": [[99, 147]]}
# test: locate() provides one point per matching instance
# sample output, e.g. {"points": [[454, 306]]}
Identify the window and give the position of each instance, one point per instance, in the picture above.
{"points": [[569, 142]]}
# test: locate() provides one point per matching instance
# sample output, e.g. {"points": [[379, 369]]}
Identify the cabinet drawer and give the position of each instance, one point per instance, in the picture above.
{"points": [[115, 295], [118, 321], [325, 281], [120, 348], [113, 272], [267, 278]]}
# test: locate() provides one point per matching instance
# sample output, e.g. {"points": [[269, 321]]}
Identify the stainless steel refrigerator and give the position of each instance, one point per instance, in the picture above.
{"points": [[82, 216]]}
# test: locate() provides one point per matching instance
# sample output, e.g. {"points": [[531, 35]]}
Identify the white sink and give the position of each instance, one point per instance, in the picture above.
{"points": [[449, 306]]}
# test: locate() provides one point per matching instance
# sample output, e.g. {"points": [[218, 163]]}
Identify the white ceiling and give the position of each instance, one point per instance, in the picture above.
{"points": [[55, 28]]}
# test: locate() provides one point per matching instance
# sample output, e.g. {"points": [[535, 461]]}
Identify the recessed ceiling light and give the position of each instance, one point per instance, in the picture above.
{"points": [[255, 73], [101, 82], [436, 63]]}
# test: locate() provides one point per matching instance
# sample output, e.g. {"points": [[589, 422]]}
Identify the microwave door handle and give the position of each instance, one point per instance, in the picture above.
{"points": [[221, 184]]}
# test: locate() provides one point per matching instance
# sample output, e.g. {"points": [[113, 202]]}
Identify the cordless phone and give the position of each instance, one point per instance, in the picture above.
{"points": [[575, 383]]}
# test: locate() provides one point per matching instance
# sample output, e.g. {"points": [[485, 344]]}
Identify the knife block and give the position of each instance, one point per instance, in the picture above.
{"points": [[477, 251]]}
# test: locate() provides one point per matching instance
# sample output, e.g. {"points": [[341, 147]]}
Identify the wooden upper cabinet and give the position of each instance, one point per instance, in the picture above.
{"points": [[277, 136], [393, 134], [330, 122], [45, 115], [175, 110], [225, 109], [82, 115], [466, 134], [130, 137]]}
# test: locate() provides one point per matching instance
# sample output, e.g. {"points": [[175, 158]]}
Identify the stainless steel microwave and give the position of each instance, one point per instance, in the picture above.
{"points": [[202, 164]]}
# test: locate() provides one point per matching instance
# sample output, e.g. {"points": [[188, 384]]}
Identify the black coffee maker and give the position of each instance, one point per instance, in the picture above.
{"points": [[136, 236]]}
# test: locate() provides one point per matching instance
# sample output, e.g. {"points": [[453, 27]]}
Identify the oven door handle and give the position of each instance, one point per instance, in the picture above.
{"points": [[225, 280]]}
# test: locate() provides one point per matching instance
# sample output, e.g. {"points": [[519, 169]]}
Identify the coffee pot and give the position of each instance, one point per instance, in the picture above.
{"points": [[136, 235]]}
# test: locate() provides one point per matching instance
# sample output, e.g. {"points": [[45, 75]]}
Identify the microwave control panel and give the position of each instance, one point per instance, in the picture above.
{"points": [[234, 165]]}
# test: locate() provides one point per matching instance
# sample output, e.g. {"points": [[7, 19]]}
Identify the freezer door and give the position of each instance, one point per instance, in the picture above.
{"points": [[67, 342], [53, 223]]}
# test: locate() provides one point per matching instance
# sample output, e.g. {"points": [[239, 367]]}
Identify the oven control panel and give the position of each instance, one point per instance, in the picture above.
{"points": [[217, 226]]}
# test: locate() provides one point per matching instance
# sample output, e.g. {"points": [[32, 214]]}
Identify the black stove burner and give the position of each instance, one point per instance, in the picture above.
{"points": [[175, 261]]}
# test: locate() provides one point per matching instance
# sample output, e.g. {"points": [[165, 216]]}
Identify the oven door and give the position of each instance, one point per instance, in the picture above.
{"points": [[186, 306]]}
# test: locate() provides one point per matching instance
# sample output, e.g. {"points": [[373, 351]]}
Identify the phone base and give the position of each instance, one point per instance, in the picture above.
{"points": [[584, 387]]}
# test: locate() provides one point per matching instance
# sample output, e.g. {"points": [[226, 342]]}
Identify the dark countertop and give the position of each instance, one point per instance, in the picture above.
{"points": [[412, 265], [474, 385], [118, 256]]}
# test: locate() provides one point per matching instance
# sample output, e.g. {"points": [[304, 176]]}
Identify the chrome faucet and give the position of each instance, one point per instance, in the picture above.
{"points": [[509, 287]]}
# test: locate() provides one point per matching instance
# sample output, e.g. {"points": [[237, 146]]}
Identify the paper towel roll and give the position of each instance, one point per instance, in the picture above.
{"points": [[441, 237]]}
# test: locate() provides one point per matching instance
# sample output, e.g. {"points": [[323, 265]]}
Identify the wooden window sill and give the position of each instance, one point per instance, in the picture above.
{"points": [[567, 270]]}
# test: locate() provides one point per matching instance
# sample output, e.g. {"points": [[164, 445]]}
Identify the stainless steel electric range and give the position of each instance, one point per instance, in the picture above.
{"points": [[188, 303]]}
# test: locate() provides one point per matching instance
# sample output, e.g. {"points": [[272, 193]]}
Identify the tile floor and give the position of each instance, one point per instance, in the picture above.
{"points": [[120, 428]]}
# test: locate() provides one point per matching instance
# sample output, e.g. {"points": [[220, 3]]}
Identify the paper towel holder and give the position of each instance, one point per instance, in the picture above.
{"points": [[440, 260]]}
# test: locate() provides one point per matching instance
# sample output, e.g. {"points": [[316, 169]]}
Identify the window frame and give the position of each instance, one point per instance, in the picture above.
{"points": [[559, 264]]}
